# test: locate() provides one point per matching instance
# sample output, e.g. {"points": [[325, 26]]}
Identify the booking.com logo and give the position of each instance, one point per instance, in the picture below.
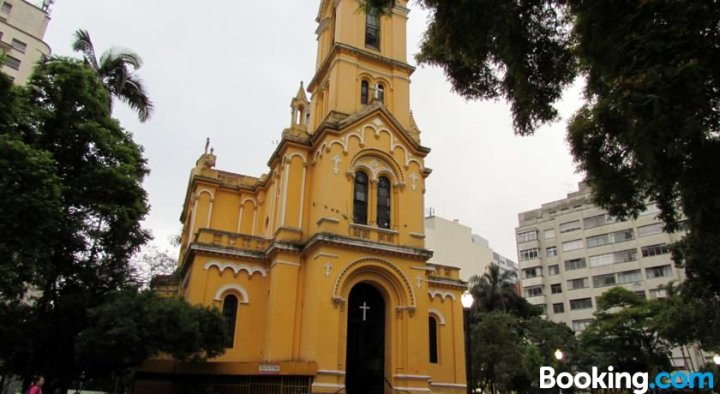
{"points": [[638, 382]]}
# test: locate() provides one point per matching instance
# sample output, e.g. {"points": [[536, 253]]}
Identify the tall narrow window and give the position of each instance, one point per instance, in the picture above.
{"points": [[383, 203], [372, 29], [364, 92], [360, 203], [230, 306], [432, 330], [380, 93]]}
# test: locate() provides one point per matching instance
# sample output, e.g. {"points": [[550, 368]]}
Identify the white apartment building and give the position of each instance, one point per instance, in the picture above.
{"points": [[570, 251], [454, 244], [22, 28]]}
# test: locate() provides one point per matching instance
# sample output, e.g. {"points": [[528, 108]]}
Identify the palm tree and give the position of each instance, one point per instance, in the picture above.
{"points": [[495, 291], [116, 68]]}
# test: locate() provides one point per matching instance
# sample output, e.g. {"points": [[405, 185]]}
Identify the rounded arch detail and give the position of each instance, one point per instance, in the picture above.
{"points": [[378, 270], [437, 315], [373, 159], [235, 289]]}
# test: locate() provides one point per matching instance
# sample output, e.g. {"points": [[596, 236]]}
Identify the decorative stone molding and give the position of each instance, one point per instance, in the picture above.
{"points": [[232, 287], [441, 294], [235, 267]]}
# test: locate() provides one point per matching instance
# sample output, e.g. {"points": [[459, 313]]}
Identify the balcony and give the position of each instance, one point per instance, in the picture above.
{"points": [[230, 240], [374, 234]]}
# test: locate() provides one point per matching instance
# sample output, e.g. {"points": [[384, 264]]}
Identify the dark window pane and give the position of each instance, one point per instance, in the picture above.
{"points": [[372, 29], [230, 304], [433, 340], [383, 204], [360, 200], [364, 92]]}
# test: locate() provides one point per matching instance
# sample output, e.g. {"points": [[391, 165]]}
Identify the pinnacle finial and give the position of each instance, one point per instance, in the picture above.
{"points": [[207, 145]]}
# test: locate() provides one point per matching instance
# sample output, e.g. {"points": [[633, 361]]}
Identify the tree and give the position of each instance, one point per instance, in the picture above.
{"points": [[116, 68], [151, 262], [81, 214], [625, 333], [650, 127], [133, 326], [495, 291]]}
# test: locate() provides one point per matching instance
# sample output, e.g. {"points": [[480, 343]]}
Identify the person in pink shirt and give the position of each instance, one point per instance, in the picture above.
{"points": [[36, 387]]}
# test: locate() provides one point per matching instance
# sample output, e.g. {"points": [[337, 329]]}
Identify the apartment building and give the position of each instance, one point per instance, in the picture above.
{"points": [[22, 28], [454, 244], [570, 251]]}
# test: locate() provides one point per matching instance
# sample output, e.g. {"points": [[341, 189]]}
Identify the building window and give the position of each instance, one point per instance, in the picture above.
{"points": [[622, 256], [556, 288], [533, 272], [364, 92], [230, 306], [551, 251], [604, 280], [432, 329], [572, 245], [575, 264], [549, 234], [579, 325], [383, 203], [580, 283], [360, 203], [12, 62], [19, 45], [629, 277], [6, 8], [559, 307], [650, 229], [658, 293], [554, 269], [611, 238], [570, 226], [528, 254], [526, 236], [533, 291], [581, 303], [594, 221], [654, 250], [372, 29], [380, 93], [640, 293], [650, 209], [658, 272]]}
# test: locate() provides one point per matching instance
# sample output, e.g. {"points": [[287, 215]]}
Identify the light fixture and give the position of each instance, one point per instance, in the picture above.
{"points": [[559, 354], [716, 359], [467, 300]]}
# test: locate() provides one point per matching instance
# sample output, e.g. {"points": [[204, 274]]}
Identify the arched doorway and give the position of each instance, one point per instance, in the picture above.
{"points": [[365, 364]]}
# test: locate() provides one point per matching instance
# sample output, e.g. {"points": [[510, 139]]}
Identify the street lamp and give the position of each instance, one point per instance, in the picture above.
{"points": [[559, 355], [716, 359], [467, 301]]}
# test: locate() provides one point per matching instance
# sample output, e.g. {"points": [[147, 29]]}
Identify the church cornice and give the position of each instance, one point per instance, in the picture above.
{"points": [[339, 47], [369, 246]]}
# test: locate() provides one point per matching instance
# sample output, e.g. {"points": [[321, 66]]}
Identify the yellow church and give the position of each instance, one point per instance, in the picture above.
{"points": [[319, 266]]}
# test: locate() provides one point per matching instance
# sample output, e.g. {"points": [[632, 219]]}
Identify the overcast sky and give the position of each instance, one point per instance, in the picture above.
{"points": [[227, 69]]}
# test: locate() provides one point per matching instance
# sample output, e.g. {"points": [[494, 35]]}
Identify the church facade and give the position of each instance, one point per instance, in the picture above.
{"points": [[319, 266]]}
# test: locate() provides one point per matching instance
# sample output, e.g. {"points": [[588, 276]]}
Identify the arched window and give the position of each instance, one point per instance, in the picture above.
{"points": [[360, 200], [372, 29], [230, 307], [383, 203], [380, 93], [364, 92], [432, 334]]}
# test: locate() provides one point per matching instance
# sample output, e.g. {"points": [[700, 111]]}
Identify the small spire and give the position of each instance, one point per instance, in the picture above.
{"points": [[207, 145], [301, 93]]}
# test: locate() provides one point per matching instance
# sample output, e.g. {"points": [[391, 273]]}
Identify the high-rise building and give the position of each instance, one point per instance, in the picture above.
{"points": [[571, 251], [22, 28], [320, 266], [454, 244]]}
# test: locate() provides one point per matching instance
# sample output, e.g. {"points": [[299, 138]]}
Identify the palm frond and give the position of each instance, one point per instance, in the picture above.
{"points": [[114, 56], [133, 93], [84, 45]]}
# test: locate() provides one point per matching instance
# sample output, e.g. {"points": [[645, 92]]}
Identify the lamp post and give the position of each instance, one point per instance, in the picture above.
{"points": [[716, 359], [559, 355], [467, 301]]}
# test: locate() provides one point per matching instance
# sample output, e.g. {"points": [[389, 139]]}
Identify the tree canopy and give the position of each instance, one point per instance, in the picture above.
{"points": [[650, 127]]}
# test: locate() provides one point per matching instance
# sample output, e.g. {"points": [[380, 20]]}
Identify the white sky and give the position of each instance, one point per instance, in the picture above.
{"points": [[227, 69]]}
